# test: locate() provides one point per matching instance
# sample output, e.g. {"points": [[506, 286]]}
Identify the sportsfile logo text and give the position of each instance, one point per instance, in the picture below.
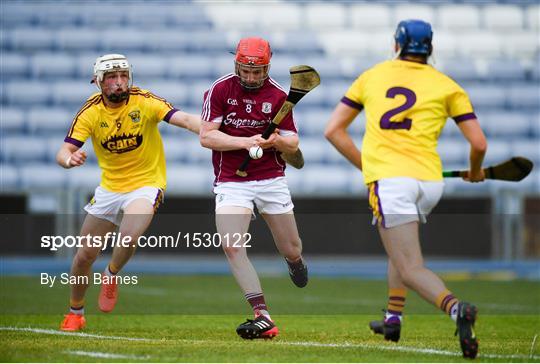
{"points": [[113, 239]]}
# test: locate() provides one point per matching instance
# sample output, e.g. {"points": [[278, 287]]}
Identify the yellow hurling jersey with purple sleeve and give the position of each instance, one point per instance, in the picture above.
{"points": [[406, 105], [126, 140]]}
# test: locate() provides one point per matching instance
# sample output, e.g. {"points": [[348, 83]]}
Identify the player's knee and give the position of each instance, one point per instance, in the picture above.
{"points": [[292, 249], [233, 252], [85, 257]]}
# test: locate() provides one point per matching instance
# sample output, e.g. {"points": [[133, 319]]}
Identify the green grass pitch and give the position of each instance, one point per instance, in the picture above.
{"points": [[193, 319]]}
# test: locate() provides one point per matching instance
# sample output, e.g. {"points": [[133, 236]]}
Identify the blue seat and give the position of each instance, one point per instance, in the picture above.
{"points": [[86, 177], [486, 96], [498, 151], [27, 93], [123, 40], [314, 150], [327, 179], [24, 149], [12, 119], [524, 96], [189, 179], [17, 14], [189, 15], [104, 15], [462, 70], [14, 65], [191, 67], [163, 40], [327, 67], [79, 39], [70, 94], [175, 150], [506, 70], [196, 94], [53, 65], [9, 177], [42, 176], [528, 148], [175, 93], [57, 15], [299, 43], [49, 120], [148, 66], [209, 41], [505, 124], [32, 39], [453, 151]]}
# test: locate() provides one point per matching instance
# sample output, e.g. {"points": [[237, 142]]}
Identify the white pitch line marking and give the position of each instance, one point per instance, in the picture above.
{"points": [[408, 349], [97, 354], [405, 349], [66, 333]]}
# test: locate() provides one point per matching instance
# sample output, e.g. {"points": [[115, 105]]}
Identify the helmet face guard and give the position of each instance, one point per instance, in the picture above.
{"points": [[414, 37], [252, 54], [111, 63]]}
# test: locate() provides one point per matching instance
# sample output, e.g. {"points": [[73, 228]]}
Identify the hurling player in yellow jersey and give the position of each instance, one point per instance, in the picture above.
{"points": [[407, 103], [122, 121]]}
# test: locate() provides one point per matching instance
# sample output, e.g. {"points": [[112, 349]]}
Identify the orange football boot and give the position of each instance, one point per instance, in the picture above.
{"points": [[108, 295], [73, 322]]}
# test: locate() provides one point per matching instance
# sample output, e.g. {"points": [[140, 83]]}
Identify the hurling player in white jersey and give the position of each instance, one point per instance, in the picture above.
{"points": [[237, 109]]}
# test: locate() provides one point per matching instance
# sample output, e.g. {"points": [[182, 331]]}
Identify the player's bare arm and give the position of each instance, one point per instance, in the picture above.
{"points": [[187, 121], [283, 143], [475, 136], [295, 159], [70, 156], [215, 139], [336, 133]]}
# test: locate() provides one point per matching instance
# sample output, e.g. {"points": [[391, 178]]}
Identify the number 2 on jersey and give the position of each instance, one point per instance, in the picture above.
{"points": [[410, 100]]}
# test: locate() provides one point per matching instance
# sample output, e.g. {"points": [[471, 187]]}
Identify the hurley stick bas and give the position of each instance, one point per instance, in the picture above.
{"points": [[515, 169], [303, 79]]}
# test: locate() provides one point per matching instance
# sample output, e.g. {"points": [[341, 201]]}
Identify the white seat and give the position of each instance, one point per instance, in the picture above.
{"points": [[445, 44], [486, 96], [196, 94], [12, 119], [314, 150], [42, 176], [32, 39], [148, 66], [17, 14], [458, 17], [9, 177], [415, 11], [533, 17], [191, 66], [53, 65], [27, 93], [524, 95], [498, 151], [79, 39], [24, 149], [501, 18], [342, 43], [452, 151], [232, 16], [49, 120], [525, 45], [327, 180], [480, 44], [86, 177], [506, 70], [189, 179], [13, 65], [282, 16], [71, 94], [506, 124], [370, 16], [321, 16], [123, 40], [174, 92], [526, 148]]}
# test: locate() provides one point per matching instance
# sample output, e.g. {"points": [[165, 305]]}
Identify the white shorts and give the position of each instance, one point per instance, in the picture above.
{"points": [[271, 196], [400, 200], [108, 205]]}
